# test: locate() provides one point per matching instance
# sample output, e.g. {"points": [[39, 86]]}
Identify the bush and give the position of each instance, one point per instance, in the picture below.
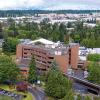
{"points": [[94, 73], [22, 86], [93, 57]]}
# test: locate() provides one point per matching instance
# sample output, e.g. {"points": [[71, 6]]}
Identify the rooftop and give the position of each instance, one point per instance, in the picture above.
{"points": [[43, 41], [47, 45]]}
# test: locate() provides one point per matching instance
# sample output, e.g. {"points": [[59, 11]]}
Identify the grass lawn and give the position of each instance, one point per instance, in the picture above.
{"points": [[5, 87], [29, 95], [5, 98]]}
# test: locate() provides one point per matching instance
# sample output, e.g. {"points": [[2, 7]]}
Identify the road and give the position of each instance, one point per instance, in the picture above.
{"points": [[81, 85], [37, 93]]}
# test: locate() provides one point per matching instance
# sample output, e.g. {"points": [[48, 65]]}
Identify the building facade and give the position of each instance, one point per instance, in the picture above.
{"points": [[45, 53]]}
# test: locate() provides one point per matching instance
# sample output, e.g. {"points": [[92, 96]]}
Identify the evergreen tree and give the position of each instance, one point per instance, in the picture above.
{"points": [[8, 69], [57, 85], [32, 71], [1, 31], [9, 45]]}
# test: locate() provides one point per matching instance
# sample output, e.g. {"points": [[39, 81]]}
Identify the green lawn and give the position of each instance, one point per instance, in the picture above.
{"points": [[6, 87], [5, 98], [29, 97]]}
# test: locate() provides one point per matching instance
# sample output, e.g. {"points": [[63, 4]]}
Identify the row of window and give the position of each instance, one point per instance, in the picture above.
{"points": [[35, 51]]}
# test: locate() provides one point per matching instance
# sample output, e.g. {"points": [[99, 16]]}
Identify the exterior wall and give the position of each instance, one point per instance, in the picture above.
{"points": [[19, 51], [62, 61], [27, 51], [73, 56], [82, 65], [24, 72], [44, 59]]}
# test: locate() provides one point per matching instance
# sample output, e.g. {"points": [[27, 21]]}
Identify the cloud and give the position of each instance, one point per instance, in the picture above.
{"points": [[10, 4], [49, 4], [73, 6]]}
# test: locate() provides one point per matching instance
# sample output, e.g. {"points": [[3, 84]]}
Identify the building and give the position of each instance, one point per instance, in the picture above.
{"points": [[83, 53], [45, 52]]}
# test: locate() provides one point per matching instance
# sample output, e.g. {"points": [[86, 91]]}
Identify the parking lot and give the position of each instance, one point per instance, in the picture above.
{"points": [[11, 94]]}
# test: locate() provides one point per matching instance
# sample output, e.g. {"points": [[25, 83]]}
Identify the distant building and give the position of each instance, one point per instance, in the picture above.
{"points": [[89, 25], [1, 42], [83, 52], [45, 52]]}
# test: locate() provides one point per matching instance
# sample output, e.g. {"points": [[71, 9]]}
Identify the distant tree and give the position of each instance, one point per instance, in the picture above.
{"points": [[91, 40], [62, 32], [1, 31], [45, 20], [10, 21], [97, 44], [85, 42], [32, 71], [69, 25], [9, 45], [78, 26], [22, 34], [77, 38]]}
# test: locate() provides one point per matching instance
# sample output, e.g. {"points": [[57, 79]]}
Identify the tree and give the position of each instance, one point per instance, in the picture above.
{"points": [[94, 72], [88, 98], [69, 95], [8, 69], [79, 97], [9, 45], [77, 38], [93, 57], [32, 71], [62, 30], [57, 85], [98, 42], [69, 25], [1, 31]]}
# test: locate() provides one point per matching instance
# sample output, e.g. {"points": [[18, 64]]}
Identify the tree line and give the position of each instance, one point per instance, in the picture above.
{"points": [[88, 37], [13, 13]]}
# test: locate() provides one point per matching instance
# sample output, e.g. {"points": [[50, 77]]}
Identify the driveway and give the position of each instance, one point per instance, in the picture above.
{"points": [[37, 93]]}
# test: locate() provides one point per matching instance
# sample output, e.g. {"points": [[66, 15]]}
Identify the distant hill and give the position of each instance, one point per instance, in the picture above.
{"points": [[11, 13]]}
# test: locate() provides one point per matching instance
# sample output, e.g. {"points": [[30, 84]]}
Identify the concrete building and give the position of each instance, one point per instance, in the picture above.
{"points": [[45, 52]]}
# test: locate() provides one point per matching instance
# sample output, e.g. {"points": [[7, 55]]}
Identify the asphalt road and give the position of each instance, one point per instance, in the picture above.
{"points": [[76, 86], [37, 93]]}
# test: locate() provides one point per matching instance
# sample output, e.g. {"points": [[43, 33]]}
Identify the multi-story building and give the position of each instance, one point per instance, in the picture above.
{"points": [[45, 52]]}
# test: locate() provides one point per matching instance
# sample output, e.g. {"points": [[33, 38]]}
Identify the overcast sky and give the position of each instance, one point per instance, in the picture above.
{"points": [[50, 4]]}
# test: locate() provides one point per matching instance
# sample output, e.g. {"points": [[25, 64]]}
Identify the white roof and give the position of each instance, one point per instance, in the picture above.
{"points": [[94, 50], [43, 41]]}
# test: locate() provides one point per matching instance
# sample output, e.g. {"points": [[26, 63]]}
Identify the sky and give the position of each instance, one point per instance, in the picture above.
{"points": [[50, 4]]}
